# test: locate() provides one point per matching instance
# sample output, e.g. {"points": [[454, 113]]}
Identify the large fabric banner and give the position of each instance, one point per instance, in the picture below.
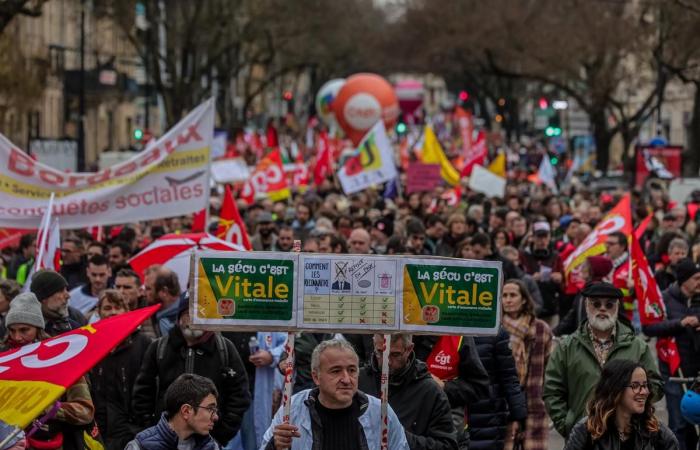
{"points": [[169, 178], [34, 376]]}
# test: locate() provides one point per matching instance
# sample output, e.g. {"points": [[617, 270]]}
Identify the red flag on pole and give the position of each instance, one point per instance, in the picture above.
{"points": [[477, 155], [199, 221], [639, 232], [231, 226], [34, 376], [651, 306], [324, 162]]}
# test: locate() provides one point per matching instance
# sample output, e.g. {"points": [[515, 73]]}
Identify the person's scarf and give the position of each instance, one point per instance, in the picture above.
{"points": [[521, 335]]}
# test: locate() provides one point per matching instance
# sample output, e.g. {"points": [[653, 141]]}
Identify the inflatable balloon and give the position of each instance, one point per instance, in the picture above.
{"points": [[365, 99], [410, 95], [325, 97]]}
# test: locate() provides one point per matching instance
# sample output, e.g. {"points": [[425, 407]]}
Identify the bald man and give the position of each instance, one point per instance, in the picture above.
{"points": [[359, 242]]}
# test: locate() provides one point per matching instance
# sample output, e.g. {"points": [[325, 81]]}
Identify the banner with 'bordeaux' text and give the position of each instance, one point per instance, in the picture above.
{"points": [[169, 178]]}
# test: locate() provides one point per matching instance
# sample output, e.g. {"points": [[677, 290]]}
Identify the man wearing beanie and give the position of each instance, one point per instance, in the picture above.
{"points": [[682, 301], [24, 320], [51, 289]]}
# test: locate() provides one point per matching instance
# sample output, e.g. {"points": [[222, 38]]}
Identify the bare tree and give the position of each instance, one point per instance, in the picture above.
{"points": [[602, 54], [9, 9]]}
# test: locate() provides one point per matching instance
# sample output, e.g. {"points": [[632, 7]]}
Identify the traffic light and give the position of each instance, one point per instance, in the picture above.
{"points": [[553, 127], [401, 128], [138, 134], [554, 160], [287, 96], [552, 131], [543, 103], [463, 96]]}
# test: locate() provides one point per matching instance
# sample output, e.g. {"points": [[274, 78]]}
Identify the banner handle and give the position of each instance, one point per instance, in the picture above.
{"points": [[289, 363], [384, 389]]}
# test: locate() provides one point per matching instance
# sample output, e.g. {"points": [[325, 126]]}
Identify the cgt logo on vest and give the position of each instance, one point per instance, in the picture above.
{"points": [[443, 359]]}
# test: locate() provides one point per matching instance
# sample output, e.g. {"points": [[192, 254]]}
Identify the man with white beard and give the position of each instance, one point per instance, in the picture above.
{"points": [[575, 366]]}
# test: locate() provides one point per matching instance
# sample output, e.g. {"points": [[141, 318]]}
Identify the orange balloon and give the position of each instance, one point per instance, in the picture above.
{"points": [[363, 100]]}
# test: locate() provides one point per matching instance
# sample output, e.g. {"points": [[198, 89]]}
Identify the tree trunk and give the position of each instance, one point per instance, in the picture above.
{"points": [[602, 137], [691, 160]]}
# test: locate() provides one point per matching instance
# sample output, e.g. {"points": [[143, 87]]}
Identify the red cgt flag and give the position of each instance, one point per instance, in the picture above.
{"points": [[324, 160], [231, 226], [651, 305], [34, 376]]}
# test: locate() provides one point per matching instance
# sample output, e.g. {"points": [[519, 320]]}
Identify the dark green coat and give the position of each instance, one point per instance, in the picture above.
{"points": [[573, 372]]}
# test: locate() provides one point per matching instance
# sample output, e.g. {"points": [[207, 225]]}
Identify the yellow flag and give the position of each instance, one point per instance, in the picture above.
{"points": [[433, 154], [498, 165]]}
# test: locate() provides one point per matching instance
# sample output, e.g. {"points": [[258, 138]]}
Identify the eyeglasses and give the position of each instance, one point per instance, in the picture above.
{"points": [[637, 387], [608, 304], [212, 409]]}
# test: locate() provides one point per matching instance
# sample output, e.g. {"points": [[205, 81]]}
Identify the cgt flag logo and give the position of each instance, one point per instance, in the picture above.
{"points": [[34, 376]]}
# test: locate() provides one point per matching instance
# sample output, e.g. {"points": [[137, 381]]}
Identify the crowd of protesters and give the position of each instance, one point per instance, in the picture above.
{"points": [[570, 352]]}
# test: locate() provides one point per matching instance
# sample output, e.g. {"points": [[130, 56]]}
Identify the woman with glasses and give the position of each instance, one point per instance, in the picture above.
{"points": [[621, 413]]}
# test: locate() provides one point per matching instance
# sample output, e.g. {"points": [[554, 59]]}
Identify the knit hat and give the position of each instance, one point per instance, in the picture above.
{"points": [[385, 225], [600, 267], [45, 283], [685, 269], [25, 308]]}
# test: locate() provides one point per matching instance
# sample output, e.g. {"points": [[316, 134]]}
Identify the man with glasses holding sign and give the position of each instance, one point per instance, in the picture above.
{"points": [[575, 365]]}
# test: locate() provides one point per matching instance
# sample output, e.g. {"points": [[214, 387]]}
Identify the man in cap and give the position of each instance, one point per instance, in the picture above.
{"points": [[682, 321], [575, 366], [51, 289], [265, 237], [542, 262]]}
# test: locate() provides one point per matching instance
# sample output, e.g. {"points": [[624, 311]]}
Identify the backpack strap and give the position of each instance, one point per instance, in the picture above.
{"points": [[162, 347], [222, 349]]}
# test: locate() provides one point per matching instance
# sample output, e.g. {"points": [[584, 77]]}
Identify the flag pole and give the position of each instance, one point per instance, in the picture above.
{"points": [[289, 363], [384, 389], [10, 437], [44, 233]]}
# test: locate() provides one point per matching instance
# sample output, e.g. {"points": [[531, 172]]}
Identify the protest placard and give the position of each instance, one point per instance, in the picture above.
{"points": [[451, 296], [245, 290], [353, 293]]}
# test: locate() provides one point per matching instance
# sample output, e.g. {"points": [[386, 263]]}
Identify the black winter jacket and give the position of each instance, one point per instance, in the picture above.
{"points": [[202, 359], [418, 401], [580, 439], [687, 339], [472, 383], [112, 381], [488, 418]]}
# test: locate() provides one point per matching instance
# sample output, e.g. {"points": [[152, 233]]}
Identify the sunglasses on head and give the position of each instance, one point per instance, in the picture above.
{"points": [[598, 303]]}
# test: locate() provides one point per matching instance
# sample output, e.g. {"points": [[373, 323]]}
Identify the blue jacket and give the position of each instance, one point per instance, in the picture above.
{"points": [[162, 437], [370, 421]]}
